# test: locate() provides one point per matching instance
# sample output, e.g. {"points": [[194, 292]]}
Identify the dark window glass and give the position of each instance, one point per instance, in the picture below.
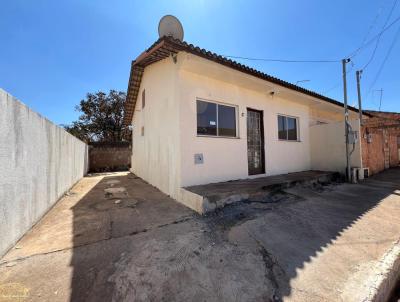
{"points": [[282, 133], [287, 128], [292, 129], [208, 123], [206, 118], [226, 121], [143, 98]]}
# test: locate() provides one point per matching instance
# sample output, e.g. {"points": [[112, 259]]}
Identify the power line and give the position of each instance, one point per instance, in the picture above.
{"points": [[355, 52], [380, 99], [372, 24], [369, 30], [338, 84], [384, 60], [282, 60], [379, 37], [351, 55]]}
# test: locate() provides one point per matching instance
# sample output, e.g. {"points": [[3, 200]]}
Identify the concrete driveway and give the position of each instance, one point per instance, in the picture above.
{"points": [[116, 238]]}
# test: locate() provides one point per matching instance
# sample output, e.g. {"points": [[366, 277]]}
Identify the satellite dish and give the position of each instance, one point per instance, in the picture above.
{"points": [[171, 27]]}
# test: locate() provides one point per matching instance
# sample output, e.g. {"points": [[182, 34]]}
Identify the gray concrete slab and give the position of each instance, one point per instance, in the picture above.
{"points": [[259, 183], [312, 243], [218, 195]]}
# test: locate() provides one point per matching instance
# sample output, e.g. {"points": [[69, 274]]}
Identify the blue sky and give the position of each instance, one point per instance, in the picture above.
{"points": [[54, 52]]}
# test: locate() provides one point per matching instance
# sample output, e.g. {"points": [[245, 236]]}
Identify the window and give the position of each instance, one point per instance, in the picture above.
{"points": [[143, 98], [216, 119], [287, 128], [226, 121]]}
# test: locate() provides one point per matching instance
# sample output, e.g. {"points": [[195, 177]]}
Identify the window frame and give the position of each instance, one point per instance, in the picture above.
{"points": [[143, 98], [236, 107], [297, 119]]}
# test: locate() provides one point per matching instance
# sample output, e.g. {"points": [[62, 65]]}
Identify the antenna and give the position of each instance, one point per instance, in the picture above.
{"points": [[171, 27]]}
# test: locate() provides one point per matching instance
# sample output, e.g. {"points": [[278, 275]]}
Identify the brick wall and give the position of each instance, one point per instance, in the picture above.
{"points": [[385, 115], [109, 156], [394, 149], [380, 141]]}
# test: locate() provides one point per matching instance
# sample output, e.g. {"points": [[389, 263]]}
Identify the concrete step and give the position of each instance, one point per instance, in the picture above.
{"points": [[217, 195]]}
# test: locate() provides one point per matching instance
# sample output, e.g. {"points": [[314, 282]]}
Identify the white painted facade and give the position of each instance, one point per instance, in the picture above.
{"points": [[164, 155]]}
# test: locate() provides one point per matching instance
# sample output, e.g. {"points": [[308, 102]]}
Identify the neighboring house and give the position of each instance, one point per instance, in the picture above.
{"points": [[381, 141], [200, 118]]}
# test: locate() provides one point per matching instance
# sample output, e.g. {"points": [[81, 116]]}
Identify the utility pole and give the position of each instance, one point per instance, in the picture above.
{"points": [[380, 99], [358, 76], [346, 119]]}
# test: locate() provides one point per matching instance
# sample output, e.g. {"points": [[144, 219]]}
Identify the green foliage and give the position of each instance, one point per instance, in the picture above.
{"points": [[101, 119]]}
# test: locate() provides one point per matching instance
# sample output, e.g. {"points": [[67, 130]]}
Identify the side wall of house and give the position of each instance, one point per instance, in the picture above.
{"points": [[155, 138], [226, 158], [328, 149], [39, 162]]}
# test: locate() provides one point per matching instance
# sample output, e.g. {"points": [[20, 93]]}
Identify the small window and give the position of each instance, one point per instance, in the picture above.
{"points": [[216, 119], [143, 98], [287, 128], [142, 131]]}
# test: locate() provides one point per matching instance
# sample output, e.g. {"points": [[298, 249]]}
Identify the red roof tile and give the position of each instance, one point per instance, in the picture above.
{"points": [[166, 46]]}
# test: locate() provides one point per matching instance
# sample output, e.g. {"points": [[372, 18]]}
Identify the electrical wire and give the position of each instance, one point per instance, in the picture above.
{"points": [[384, 60], [371, 27], [281, 60], [351, 55], [372, 24], [364, 44], [355, 52], [379, 37], [339, 83]]}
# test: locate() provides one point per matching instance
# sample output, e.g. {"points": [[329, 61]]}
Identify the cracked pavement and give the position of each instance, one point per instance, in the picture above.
{"points": [[116, 238]]}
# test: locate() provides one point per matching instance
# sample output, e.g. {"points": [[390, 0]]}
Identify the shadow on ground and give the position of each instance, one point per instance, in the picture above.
{"points": [[134, 243], [105, 221]]}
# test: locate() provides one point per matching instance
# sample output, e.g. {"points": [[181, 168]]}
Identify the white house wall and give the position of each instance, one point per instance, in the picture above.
{"points": [[156, 154], [226, 158], [164, 155], [328, 149]]}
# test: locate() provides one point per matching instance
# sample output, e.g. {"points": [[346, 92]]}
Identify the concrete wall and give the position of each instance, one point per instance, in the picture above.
{"points": [[328, 149], [156, 153], [39, 162], [110, 156]]}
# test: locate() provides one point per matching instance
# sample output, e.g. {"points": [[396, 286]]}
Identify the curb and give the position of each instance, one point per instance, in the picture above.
{"points": [[383, 283]]}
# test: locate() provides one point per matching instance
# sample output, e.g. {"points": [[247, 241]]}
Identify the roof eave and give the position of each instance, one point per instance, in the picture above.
{"points": [[164, 46]]}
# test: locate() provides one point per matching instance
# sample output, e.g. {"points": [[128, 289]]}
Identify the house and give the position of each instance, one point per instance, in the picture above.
{"points": [[200, 118], [381, 141]]}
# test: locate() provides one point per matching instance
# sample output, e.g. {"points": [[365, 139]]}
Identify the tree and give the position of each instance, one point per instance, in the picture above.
{"points": [[101, 119]]}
